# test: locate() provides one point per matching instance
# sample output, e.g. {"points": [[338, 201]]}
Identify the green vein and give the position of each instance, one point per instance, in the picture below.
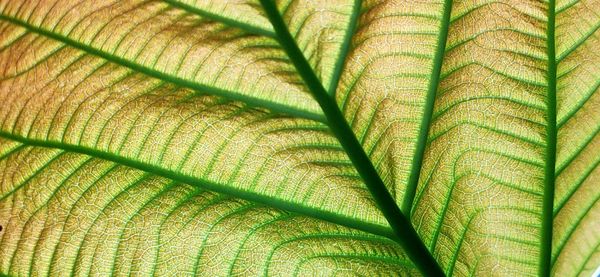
{"points": [[298, 208], [53, 195], [427, 111], [567, 6], [345, 48], [578, 43], [138, 213], [251, 233], [189, 195], [579, 105], [549, 174], [569, 194], [222, 19], [581, 147], [404, 233], [232, 95], [573, 224], [113, 201]]}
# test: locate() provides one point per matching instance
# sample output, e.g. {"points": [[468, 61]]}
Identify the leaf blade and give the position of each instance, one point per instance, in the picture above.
{"points": [[193, 223], [486, 146], [387, 86], [404, 233], [153, 59], [574, 244]]}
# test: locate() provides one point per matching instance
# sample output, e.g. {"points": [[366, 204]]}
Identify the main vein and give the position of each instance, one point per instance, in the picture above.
{"points": [[549, 176], [434, 82], [406, 235]]}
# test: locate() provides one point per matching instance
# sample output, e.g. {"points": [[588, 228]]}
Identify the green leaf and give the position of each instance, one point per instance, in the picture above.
{"points": [[261, 137], [576, 240]]}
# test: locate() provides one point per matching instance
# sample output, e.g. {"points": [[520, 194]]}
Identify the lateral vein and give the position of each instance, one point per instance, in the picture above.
{"points": [[427, 111], [222, 19], [231, 95], [208, 185]]}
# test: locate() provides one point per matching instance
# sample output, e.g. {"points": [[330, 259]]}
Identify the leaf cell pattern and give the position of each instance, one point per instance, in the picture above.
{"points": [[288, 137]]}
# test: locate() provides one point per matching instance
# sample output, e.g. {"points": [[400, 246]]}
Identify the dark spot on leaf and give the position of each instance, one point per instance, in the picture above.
{"points": [[0, 228]]}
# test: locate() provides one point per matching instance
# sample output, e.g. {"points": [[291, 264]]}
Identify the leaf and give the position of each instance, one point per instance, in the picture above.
{"points": [[299, 137], [480, 201], [91, 209], [576, 240]]}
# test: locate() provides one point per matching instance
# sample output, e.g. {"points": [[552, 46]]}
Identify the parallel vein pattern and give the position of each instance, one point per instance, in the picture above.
{"points": [[190, 134], [173, 44], [299, 137], [75, 214], [576, 240], [383, 89], [99, 86], [83, 102], [479, 201]]}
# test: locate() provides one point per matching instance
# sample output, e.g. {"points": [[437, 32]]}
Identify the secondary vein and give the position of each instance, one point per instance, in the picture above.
{"points": [[345, 48], [207, 184], [231, 95], [427, 110]]}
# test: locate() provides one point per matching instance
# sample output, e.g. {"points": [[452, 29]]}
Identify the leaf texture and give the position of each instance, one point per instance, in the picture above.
{"points": [[293, 137], [112, 105], [479, 201], [577, 201], [168, 42], [84, 101], [113, 219], [384, 87]]}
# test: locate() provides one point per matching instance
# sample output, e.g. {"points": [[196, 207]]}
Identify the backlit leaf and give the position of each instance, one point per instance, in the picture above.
{"points": [[288, 137]]}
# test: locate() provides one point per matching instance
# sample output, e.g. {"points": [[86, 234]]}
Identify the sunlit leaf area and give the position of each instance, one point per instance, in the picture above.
{"points": [[300, 138]]}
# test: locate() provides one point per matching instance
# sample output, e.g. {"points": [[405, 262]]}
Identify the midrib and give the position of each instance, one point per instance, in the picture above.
{"points": [[402, 230], [405, 234], [551, 134]]}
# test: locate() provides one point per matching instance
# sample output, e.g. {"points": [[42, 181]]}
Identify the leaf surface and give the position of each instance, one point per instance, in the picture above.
{"points": [[90, 209], [576, 238], [479, 203], [185, 137]]}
